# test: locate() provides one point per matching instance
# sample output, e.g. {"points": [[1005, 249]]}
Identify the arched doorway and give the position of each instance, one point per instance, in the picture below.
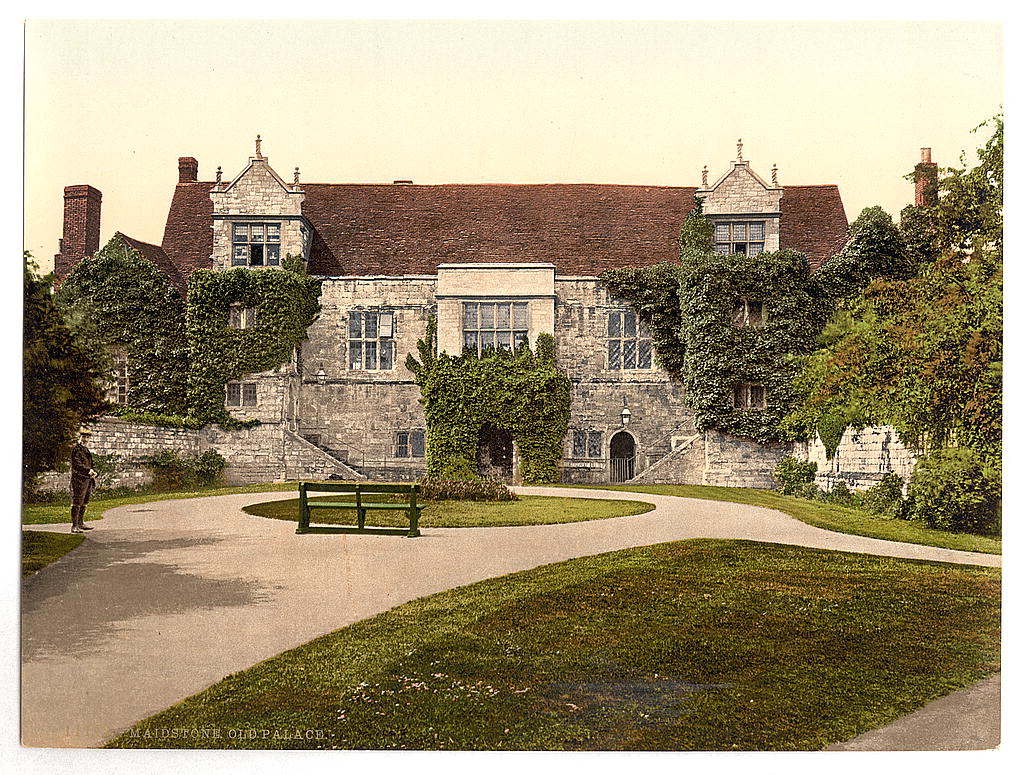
{"points": [[622, 452], [494, 453]]}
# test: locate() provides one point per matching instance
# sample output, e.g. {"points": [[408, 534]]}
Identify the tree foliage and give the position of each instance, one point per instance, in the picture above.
{"points": [[180, 353], [924, 353], [62, 381]]}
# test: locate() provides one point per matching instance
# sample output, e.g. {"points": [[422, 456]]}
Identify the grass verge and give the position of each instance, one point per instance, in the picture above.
{"points": [[824, 515], [528, 510], [691, 645], [56, 513], [39, 549]]}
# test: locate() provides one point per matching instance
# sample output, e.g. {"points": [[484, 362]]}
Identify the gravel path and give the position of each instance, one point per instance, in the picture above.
{"points": [[165, 598]]}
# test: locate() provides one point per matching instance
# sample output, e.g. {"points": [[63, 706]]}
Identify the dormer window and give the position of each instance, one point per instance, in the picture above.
{"points": [[256, 244], [748, 313], [743, 237]]}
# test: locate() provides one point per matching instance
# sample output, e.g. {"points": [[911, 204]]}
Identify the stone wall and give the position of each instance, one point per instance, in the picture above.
{"points": [[683, 465], [252, 454], [128, 444], [862, 458], [731, 461]]}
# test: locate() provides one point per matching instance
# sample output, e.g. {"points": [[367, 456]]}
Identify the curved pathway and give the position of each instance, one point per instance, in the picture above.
{"points": [[166, 598]]}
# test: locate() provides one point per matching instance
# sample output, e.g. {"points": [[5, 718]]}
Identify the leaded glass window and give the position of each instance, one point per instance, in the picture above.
{"points": [[743, 237], [629, 341], [255, 244]]}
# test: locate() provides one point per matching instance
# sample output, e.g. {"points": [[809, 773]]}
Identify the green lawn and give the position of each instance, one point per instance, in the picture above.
{"points": [[824, 515], [691, 645], [49, 514], [528, 510], [39, 549]]}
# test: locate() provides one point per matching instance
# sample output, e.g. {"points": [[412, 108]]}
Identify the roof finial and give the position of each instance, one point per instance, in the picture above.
{"points": [[704, 177], [296, 176], [258, 141], [739, 149], [775, 174], [220, 174]]}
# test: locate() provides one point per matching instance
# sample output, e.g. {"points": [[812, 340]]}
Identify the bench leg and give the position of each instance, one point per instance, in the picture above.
{"points": [[414, 523]]}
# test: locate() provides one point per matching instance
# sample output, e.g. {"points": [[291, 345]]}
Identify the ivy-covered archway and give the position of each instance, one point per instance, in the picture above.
{"points": [[520, 392]]}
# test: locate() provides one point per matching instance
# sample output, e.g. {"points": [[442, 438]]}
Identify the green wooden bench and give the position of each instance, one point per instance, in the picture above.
{"points": [[358, 491]]}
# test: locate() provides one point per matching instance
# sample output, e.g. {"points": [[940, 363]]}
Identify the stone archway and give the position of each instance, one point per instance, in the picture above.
{"points": [[622, 454], [494, 453]]}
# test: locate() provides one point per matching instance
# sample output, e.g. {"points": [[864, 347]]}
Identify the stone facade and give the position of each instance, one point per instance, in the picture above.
{"points": [[392, 257], [730, 461]]}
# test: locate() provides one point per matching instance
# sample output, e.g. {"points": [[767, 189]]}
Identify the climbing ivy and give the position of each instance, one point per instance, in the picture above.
{"points": [[122, 301], [522, 392], [285, 302], [690, 309], [181, 353]]}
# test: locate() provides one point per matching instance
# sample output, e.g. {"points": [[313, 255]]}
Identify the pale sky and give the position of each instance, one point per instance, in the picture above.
{"points": [[114, 104]]}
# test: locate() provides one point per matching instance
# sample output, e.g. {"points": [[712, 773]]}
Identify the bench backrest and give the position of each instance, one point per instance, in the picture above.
{"points": [[365, 488]]}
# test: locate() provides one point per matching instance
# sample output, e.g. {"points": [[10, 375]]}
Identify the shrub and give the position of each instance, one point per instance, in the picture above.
{"points": [[886, 497], [808, 490], [842, 495], [472, 490], [793, 474], [172, 471], [950, 490]]}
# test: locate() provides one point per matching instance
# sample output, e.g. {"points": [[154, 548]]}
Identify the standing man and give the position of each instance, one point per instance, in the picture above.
{"points": [[83, 481]]}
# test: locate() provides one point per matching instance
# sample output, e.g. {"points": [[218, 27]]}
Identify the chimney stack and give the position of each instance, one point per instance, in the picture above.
{"points": [[81, 227], [926, 180], [188, 170]]}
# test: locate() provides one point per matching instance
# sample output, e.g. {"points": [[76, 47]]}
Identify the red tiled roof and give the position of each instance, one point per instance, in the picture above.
{"points": [[155, 255], [813, 222], [583, 229]]}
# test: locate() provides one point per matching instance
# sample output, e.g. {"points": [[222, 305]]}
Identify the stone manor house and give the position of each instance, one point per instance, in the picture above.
{"points": [[496, 265]]}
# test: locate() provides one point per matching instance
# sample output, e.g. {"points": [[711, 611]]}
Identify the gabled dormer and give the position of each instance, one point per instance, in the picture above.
{"points": [[257, 217], [744, 209]]}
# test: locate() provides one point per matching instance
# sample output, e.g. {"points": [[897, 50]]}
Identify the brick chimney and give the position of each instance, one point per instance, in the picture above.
{"points": [[81, 227], [188, 170], [926, 180]]}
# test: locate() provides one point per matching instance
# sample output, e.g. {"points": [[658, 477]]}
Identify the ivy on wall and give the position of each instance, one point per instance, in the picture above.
{"points": [[285, 303], [181, 353], [690, 308], [521, 392], [117, 299]]}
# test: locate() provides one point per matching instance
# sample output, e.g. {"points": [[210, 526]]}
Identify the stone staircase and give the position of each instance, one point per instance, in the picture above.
{"points": [[304, 459], [671, 450]]}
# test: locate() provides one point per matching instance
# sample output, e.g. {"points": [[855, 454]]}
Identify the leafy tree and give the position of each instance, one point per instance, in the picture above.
{"points": [[62, 381], [924, 353]]}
